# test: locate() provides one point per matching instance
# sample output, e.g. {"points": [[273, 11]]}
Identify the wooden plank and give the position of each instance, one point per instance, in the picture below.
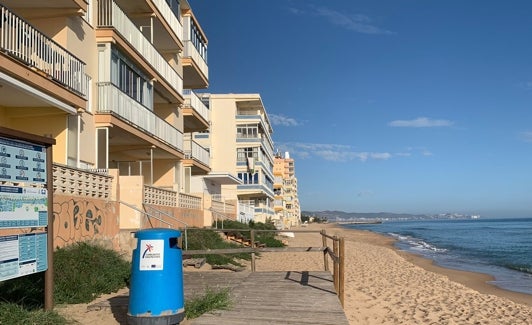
{"points": [[260, 298], [251, 250], [279, 298]]}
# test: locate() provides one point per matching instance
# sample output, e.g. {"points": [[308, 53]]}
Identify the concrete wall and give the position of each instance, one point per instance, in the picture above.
{"points": [[78, 219]]}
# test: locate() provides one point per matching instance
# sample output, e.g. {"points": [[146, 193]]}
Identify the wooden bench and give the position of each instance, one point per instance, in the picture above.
{"points": [[196, 262]]}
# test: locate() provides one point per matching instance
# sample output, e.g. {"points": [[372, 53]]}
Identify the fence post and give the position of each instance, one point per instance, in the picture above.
{"points": [[252, 235], [341, 270], [324, 244], [335, 264]]}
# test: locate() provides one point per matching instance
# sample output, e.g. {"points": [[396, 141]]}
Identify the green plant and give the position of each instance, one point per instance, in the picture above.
{"points": [[200, 239], [75, 282], [209, 301], [11, 313]]}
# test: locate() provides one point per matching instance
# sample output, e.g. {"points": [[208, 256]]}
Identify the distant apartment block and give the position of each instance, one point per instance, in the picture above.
{"points": [[286, 204], [240, 143]]}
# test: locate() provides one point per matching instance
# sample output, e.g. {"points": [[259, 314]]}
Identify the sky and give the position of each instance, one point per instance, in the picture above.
{"points": [[405, 106]]}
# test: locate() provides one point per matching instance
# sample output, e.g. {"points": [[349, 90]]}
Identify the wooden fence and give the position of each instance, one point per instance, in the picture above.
{"points": [[336, 253]]}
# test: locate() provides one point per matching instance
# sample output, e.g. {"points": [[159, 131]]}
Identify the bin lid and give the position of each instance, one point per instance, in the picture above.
{"points": [[157, 233]]}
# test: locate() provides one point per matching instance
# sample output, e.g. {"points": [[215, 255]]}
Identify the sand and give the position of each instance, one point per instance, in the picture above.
{"points": [[382, 286]]}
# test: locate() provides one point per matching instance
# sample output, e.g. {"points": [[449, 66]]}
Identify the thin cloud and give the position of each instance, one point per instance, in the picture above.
{"points": [[365, 193], [332, 152], [354, 22], [421, 122], [283, 120], [526, 136]]}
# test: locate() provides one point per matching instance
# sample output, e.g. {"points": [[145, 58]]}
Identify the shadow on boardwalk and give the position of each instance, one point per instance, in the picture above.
{"points": [[285, 297]]}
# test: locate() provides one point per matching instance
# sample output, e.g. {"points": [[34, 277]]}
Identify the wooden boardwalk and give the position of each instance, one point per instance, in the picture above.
{"points": [[286, 297]]}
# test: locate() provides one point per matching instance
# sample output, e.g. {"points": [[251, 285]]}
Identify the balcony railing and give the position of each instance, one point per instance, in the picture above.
{"points": [[189, 201], [25, 43], [111, 16], [197, 152], [192, 100], [73, 181], [170, 17], [158, 196], [113, 100], [192, 52]]}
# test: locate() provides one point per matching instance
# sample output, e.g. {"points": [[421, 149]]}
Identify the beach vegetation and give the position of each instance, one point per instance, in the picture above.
{"points": [[212, 299], [12, 313], [82, 272], [201, 239]]}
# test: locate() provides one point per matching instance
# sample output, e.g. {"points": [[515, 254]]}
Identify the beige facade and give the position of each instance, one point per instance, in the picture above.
{"points": [[112, 81], [240, 145], [286, 204]]}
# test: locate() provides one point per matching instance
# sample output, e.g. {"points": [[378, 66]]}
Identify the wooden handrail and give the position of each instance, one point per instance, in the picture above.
{"points": [[337, 253]]}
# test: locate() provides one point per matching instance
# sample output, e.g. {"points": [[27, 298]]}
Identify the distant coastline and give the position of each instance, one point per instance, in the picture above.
{"points": [[362, 217]]}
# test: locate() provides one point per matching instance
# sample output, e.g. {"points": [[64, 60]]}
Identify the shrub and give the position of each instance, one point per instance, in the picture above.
{"points": [[11, 313], [76, 282], [211, 300]]}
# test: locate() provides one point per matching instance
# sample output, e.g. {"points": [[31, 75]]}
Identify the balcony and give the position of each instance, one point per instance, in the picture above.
{"points": [[24, 43], [255, 190], [196, 157], [195, 113], [195, 68], [110, 16], [113, 101], [158, 20]]}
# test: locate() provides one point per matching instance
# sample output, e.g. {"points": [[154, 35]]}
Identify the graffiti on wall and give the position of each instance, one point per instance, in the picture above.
{"points": [[80, 219]]}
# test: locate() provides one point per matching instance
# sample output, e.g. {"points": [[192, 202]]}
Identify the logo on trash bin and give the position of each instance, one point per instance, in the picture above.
{"points": [[152, 255], [149, 248]]}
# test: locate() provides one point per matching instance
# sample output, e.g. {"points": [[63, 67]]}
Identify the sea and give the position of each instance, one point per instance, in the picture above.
{"points": [[501, 247]]}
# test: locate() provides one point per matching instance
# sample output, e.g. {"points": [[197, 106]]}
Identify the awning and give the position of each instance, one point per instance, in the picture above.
{"points": [[223, 178]]}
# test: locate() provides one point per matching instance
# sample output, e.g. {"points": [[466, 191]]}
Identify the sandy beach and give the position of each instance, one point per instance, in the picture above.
{"points": [[382, 285]]}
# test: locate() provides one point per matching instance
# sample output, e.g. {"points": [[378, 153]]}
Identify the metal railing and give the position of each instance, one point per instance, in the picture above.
{"points": [[24, 42], [113, 100], [168, 215]]}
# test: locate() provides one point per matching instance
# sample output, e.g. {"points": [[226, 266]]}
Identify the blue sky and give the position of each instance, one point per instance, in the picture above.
{"points": [[407, 106]]}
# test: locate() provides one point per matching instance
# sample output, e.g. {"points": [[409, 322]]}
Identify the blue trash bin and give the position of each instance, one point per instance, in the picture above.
{"points": [[156, 295]]}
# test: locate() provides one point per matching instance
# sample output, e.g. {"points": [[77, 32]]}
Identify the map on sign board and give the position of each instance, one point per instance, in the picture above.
{"points": [[23, 207]]}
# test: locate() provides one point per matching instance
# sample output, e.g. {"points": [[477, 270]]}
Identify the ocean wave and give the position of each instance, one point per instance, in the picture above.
{"points": [[417, 244], [521, 268]]}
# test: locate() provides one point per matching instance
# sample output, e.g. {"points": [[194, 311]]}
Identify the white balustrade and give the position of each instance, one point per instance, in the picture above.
{"points": [[78, 182]]}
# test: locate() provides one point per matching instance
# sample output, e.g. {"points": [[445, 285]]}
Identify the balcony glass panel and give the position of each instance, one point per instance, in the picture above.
{"points": [[192, 100], [110, 15], [113, 100]]}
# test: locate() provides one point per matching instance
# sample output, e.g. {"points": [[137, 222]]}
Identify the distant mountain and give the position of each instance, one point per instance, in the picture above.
{"points": [[341, 215]]}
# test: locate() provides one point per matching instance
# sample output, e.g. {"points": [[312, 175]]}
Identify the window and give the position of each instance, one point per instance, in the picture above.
{"points": [[249, 178], [247, 131], [128, 79], [242, 154]]}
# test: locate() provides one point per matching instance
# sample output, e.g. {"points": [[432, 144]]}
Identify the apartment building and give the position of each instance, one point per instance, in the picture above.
{"points": [[112, 81], [240, 144], [286, 204]]}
